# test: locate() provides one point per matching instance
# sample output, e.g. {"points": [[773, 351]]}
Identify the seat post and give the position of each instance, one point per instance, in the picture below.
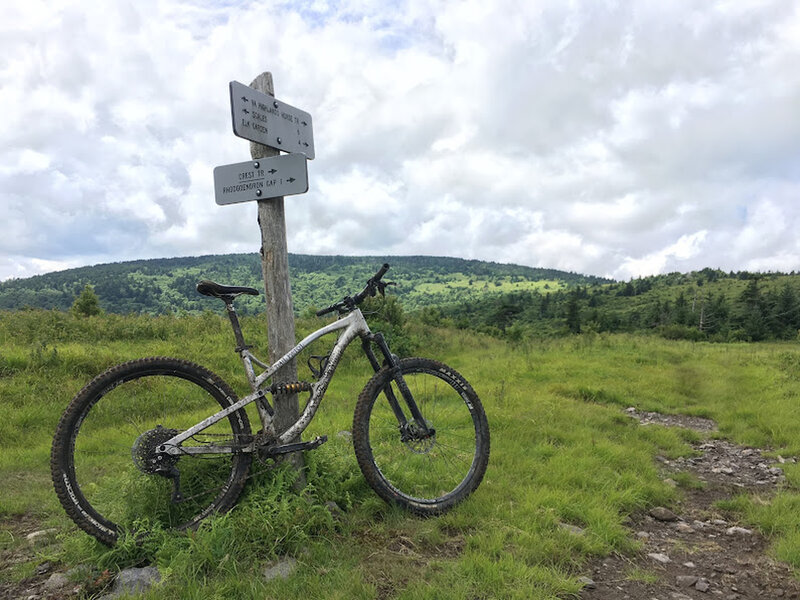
{"points": [[237, 329]]}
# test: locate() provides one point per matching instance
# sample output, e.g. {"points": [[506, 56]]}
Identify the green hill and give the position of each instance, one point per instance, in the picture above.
{"points": [[168, 285], [501, 299]]}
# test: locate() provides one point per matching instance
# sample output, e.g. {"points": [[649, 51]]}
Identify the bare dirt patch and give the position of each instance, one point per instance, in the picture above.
{"points": [[693, 551], [23, 536]]}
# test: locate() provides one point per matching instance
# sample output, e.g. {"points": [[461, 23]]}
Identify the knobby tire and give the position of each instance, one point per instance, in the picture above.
{"points": [[425, 476], [115, 418]]}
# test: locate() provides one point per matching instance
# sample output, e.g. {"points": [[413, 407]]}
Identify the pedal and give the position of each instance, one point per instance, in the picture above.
{"points": [[296, 447]]}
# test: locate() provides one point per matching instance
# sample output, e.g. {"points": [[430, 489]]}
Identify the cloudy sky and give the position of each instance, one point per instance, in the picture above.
{"points": [[617, 138]]}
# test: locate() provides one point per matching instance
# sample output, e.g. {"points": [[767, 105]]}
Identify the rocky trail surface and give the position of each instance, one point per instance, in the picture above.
{"points": [[692, 552]]}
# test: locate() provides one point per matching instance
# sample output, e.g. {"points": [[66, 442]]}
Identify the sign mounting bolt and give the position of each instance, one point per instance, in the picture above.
{"points": [[275, 104], [279, 141], [258, 192], [255, 165]]}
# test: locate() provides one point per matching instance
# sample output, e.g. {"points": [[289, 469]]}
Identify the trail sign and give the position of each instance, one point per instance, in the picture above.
{"points": [[261, 178], [261, 118]]}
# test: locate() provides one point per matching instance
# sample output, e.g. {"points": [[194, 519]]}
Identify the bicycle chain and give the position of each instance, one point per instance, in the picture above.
{"points": [[251, 474]]}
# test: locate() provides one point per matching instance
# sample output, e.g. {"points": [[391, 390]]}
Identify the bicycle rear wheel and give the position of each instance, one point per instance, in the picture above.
{"points": [[424, 475], [104, 464]]}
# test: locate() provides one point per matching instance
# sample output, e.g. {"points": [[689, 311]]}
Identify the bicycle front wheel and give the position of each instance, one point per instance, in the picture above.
{"points": [[106, 469], [426, 475]]}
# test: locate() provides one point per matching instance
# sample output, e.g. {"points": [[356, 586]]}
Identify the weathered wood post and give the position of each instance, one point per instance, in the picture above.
{"points": [[278, 292]]}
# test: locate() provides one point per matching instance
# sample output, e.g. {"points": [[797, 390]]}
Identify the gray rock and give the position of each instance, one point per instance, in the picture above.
{"points": [[282, 569], [659, 513], [702, 585], [738, 531], [133, 581], [659, 557], [586, 582], [684, 527], [686, 580], [56, 581], [679, 596]]}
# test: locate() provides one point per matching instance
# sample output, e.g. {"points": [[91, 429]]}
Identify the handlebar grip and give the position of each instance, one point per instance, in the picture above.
{"points": [[381, 273], [325, 311]]}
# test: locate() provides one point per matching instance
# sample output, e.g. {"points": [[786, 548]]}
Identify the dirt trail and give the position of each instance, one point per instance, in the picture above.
{"points": [[694, 552]]}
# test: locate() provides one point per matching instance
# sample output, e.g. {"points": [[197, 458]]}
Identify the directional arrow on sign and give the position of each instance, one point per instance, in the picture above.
{"points": [[261, 118], [261, 178]]}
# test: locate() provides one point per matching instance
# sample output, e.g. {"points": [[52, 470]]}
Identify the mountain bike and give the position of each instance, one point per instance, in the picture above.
{"points": [[164, 442]]}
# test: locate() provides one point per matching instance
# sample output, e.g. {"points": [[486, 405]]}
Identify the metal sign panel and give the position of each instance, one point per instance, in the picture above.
{"points": [[261, 178], [261, 118]]}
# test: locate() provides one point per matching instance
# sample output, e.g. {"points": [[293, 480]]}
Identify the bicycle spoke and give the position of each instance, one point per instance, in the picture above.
{"points": [[108, 440], [430, 467]]}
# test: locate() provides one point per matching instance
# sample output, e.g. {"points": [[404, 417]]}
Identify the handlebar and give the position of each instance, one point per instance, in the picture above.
{"points": [[374, 284]]}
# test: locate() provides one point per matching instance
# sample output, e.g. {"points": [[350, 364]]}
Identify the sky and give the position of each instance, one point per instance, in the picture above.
{"points": [[614, 138]]}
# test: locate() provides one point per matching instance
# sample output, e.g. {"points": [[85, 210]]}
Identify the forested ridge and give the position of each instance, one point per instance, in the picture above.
{"points": [[502, 299], [168, 285]]}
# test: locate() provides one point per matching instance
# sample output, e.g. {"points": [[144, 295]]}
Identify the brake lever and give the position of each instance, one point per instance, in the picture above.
{"points": [[382, 286]]}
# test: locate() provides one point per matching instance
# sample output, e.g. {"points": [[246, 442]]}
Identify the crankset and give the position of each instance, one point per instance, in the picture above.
{"points": [[270, 451]]}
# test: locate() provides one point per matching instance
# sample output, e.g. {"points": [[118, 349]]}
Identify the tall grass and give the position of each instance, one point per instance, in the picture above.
{"points": [[562, 452]]}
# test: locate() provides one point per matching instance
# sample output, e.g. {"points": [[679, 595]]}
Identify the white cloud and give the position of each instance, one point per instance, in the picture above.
{"points": [[608, 138], [668, 259]]}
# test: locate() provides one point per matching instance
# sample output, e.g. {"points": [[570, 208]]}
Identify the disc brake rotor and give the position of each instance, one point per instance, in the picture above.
{"points": [[414, 440]]}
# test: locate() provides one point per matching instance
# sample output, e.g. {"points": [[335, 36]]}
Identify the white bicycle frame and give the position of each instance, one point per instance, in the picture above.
{"points": [[354, 326]]}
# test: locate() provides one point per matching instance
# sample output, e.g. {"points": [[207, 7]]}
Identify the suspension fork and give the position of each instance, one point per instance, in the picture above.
{"points": [[391, 361]]}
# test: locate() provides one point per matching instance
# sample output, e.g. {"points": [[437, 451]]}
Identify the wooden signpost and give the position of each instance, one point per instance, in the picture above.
{"points": [[271, 126]]}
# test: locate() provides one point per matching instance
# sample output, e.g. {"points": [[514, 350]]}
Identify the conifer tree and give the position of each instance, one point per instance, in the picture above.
{"points": [[87, 303]]}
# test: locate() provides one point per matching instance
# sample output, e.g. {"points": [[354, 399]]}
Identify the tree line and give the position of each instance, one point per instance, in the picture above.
{"points": [[739, 306]]}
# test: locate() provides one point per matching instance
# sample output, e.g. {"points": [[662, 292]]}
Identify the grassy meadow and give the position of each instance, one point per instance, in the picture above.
{"points": [[563, 451]]}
